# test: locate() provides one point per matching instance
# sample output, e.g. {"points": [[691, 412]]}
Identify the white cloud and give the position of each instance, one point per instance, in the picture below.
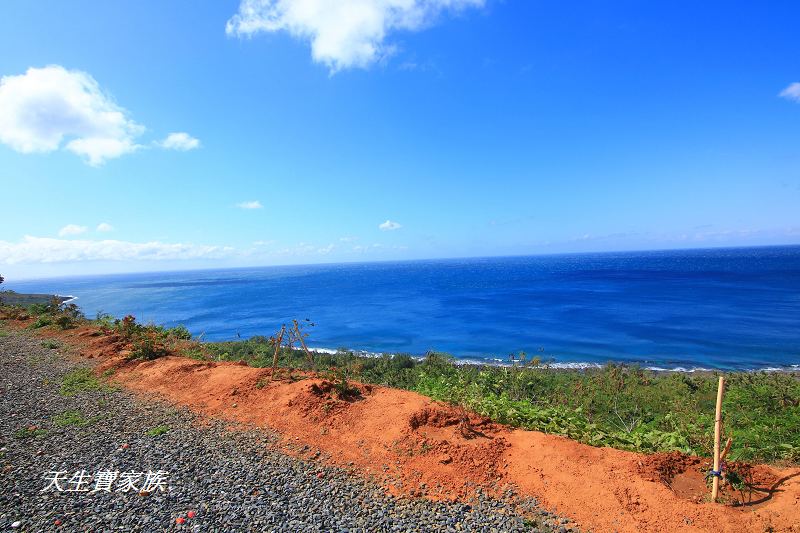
{"points": [[104, 227], [390, 226], [792, 92], [325, 250], [42, 108], [180, 141], [71, 229], [343, 33], [299, 249], [253, 204], [49, 250]]}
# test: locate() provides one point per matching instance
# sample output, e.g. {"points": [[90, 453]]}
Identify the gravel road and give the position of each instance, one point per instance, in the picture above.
{"points": [[220, 478]]}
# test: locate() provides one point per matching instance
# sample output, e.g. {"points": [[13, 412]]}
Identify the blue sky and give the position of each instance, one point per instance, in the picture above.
{"points": [[369, 130]]}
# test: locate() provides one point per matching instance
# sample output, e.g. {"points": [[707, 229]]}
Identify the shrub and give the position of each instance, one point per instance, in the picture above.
{"points": [[72, 311], [39, 309], [54, 312], [65, 322], [179, 332], [15, 312], [127, 327], [148, 346], [41, 322], [104, 320]]}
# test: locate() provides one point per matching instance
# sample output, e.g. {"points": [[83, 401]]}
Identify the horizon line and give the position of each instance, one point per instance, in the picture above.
{"points": [[381, 261]]}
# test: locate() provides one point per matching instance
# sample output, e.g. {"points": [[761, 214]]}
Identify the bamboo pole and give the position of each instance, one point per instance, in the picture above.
{"points": [[303, 343], [717, 437], [277, 350]]}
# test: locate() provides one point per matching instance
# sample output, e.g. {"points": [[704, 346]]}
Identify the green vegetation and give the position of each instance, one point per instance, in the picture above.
{"points": [[30, 433], [52, 345], [150, 341], [73, 417], [41, 322], [81, 380], [52, 312], [157, 431], [148, 346], [620, 406]]}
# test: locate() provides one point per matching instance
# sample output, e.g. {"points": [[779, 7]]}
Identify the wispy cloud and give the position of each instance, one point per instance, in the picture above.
{"points": [[302, 249], [71, 229], [181, 141], [376, 247], [252, 204], [343, 33], [389, 225], [792, 92], [104, 227], [50, 250]]}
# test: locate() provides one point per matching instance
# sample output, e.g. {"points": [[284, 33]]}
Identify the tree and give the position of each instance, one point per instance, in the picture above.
{"points": [[2, 279]]}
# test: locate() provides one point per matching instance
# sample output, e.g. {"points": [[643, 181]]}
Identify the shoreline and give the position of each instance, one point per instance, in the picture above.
{"points": [[29, 299], [563, 366]]}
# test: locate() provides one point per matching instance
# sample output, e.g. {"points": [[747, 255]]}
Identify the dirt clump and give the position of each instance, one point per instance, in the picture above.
{"points": [[664, 467], [469, 424]]}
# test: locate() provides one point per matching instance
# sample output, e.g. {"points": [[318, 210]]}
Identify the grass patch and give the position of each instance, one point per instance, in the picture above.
{"points": [[157, 431], [30, 433], [81, 380], [73, 417], [4, 333], [52, 345]]}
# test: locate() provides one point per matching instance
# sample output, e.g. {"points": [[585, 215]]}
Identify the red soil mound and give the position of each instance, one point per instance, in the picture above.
{"points": [[416, 446]]}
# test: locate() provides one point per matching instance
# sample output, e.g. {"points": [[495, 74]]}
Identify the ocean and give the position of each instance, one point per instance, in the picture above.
{"points": [[687, 309]]}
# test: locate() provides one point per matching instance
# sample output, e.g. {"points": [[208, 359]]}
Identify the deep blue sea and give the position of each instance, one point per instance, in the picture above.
{"points": [[721, 308]]}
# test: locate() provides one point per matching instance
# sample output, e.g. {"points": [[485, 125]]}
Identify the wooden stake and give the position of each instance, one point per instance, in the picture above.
{"points": [[725, 451], [717, 437], [277, 350], [303, 343]]}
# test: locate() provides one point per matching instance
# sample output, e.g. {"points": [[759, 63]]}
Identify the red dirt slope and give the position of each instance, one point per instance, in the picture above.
{"points": [[416, 446]]}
